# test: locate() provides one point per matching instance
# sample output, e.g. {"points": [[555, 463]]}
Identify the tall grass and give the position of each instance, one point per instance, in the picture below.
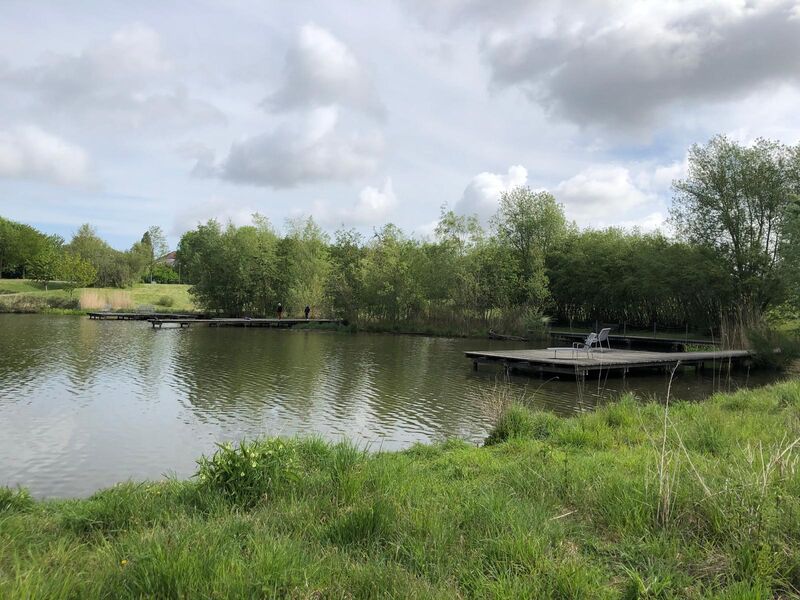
{"points": [[633, 500], [102, 299]]}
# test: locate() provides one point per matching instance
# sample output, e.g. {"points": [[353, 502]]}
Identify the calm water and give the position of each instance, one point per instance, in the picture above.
{"points": [[85, 404]]}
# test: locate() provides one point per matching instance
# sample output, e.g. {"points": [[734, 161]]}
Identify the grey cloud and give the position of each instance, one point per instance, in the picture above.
{"points": [[27, 152], [623, 75], [125, 81], [320, 70], [317, 150], [450, 14]]}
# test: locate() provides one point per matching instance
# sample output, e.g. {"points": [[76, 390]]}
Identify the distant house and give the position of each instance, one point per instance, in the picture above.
{"points": [[169, 259]]}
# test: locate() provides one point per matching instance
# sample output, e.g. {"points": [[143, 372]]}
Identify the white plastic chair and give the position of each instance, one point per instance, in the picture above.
{"points": [[603, 337], [586, 344]]}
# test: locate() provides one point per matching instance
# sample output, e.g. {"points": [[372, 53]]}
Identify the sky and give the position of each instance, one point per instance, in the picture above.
{"points": [[132, 114]]}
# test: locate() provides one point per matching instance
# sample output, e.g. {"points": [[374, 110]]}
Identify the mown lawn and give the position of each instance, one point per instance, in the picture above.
{"points": [[630, 501]]}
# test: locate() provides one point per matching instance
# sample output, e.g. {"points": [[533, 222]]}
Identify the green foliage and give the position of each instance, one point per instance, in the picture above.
{"points": [[166, 301], [19, 244], [773, 348], [76, 272], [738, 200], [248, 473], [161, 273], [114, 268], [45, 265]]}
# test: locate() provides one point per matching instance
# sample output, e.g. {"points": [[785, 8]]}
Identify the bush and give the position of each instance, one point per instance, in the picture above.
{"points": [[161, 273], [773, 348], [250, 472], [166, 301]]}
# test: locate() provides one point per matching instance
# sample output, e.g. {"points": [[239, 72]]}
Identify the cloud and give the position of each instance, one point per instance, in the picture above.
{"points": [[316, 149], [604, 195], [450, 14], [373, 207], [124, 81], [30, 153], [621, 64], [222, 210], [623, 69], [320, 70], [482, 195]]}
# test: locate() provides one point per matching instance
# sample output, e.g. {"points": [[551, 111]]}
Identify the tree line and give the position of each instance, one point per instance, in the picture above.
{"points": [[735, 215], [86, 260], [736, 245]]}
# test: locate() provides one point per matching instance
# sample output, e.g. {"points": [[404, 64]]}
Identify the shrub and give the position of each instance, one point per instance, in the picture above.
{"points": [[773, 348], [249, 472], [166, 301]]}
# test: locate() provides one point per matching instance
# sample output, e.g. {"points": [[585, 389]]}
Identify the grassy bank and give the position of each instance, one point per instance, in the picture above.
{"points": [[620, 503], [24, 295]]}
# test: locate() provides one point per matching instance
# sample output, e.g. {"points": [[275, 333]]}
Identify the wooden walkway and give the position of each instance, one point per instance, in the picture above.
{"points": [[637, 342], [140, 316], [159, 322], [580, 364]]}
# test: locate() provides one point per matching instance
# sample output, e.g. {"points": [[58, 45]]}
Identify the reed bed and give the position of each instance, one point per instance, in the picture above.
{"points": [[105, 299]]}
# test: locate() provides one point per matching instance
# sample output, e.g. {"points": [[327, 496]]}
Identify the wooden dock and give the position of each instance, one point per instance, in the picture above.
{"points": [[158, 322], [580, 364], [637, 342], [140, 316]]}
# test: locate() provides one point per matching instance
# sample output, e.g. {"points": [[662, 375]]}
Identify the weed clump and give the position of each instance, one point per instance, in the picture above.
{"points": [[519, 422], [249, 472], [17, 500], [166, 301]]}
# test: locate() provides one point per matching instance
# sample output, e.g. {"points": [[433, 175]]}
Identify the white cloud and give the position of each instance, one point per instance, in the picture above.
{"points": [[316, 149], [222, 210], [29, 153], [123, 81], [373, 207], [602, 195], [482, 195], [320, 70]]}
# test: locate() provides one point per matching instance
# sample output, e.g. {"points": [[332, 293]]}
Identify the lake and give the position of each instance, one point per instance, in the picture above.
{"points": [[85, 404]]}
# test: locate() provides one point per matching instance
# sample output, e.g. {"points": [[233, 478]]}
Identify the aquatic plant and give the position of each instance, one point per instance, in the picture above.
{"points": [[249, 471]]}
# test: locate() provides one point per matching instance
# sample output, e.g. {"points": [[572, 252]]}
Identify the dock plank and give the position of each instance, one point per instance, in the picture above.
{"points": [[581, 362], [239, 322]]}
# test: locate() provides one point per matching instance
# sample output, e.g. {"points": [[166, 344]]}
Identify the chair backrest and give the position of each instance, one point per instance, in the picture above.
{"points": [[590, 339], [603, 335]]}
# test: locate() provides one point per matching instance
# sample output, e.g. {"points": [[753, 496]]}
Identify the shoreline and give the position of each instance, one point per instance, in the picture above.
{"points": [[702, 499]]}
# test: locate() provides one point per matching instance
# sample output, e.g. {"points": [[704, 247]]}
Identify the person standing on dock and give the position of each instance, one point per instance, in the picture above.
{"points": [[307, 311], [280, 310]]}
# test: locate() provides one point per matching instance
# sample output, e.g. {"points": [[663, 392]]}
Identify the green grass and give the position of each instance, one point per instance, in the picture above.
{"points": [[24, 295], [619, 503]]}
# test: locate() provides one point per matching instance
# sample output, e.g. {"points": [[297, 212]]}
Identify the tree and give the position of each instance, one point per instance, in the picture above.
{"points": [[76, 272], [44, 266], [531, 224], [19, 244], [152, 247], [735, 199]]}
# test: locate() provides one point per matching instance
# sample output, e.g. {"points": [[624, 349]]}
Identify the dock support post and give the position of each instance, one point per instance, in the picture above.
{"points": [[474, 365]]}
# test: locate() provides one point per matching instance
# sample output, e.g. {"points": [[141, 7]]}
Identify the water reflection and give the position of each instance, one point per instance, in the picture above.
{"points": [[84, 404]]}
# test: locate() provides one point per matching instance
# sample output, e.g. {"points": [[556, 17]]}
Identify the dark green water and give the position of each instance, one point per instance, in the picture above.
{"points": [[85, 404]]}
